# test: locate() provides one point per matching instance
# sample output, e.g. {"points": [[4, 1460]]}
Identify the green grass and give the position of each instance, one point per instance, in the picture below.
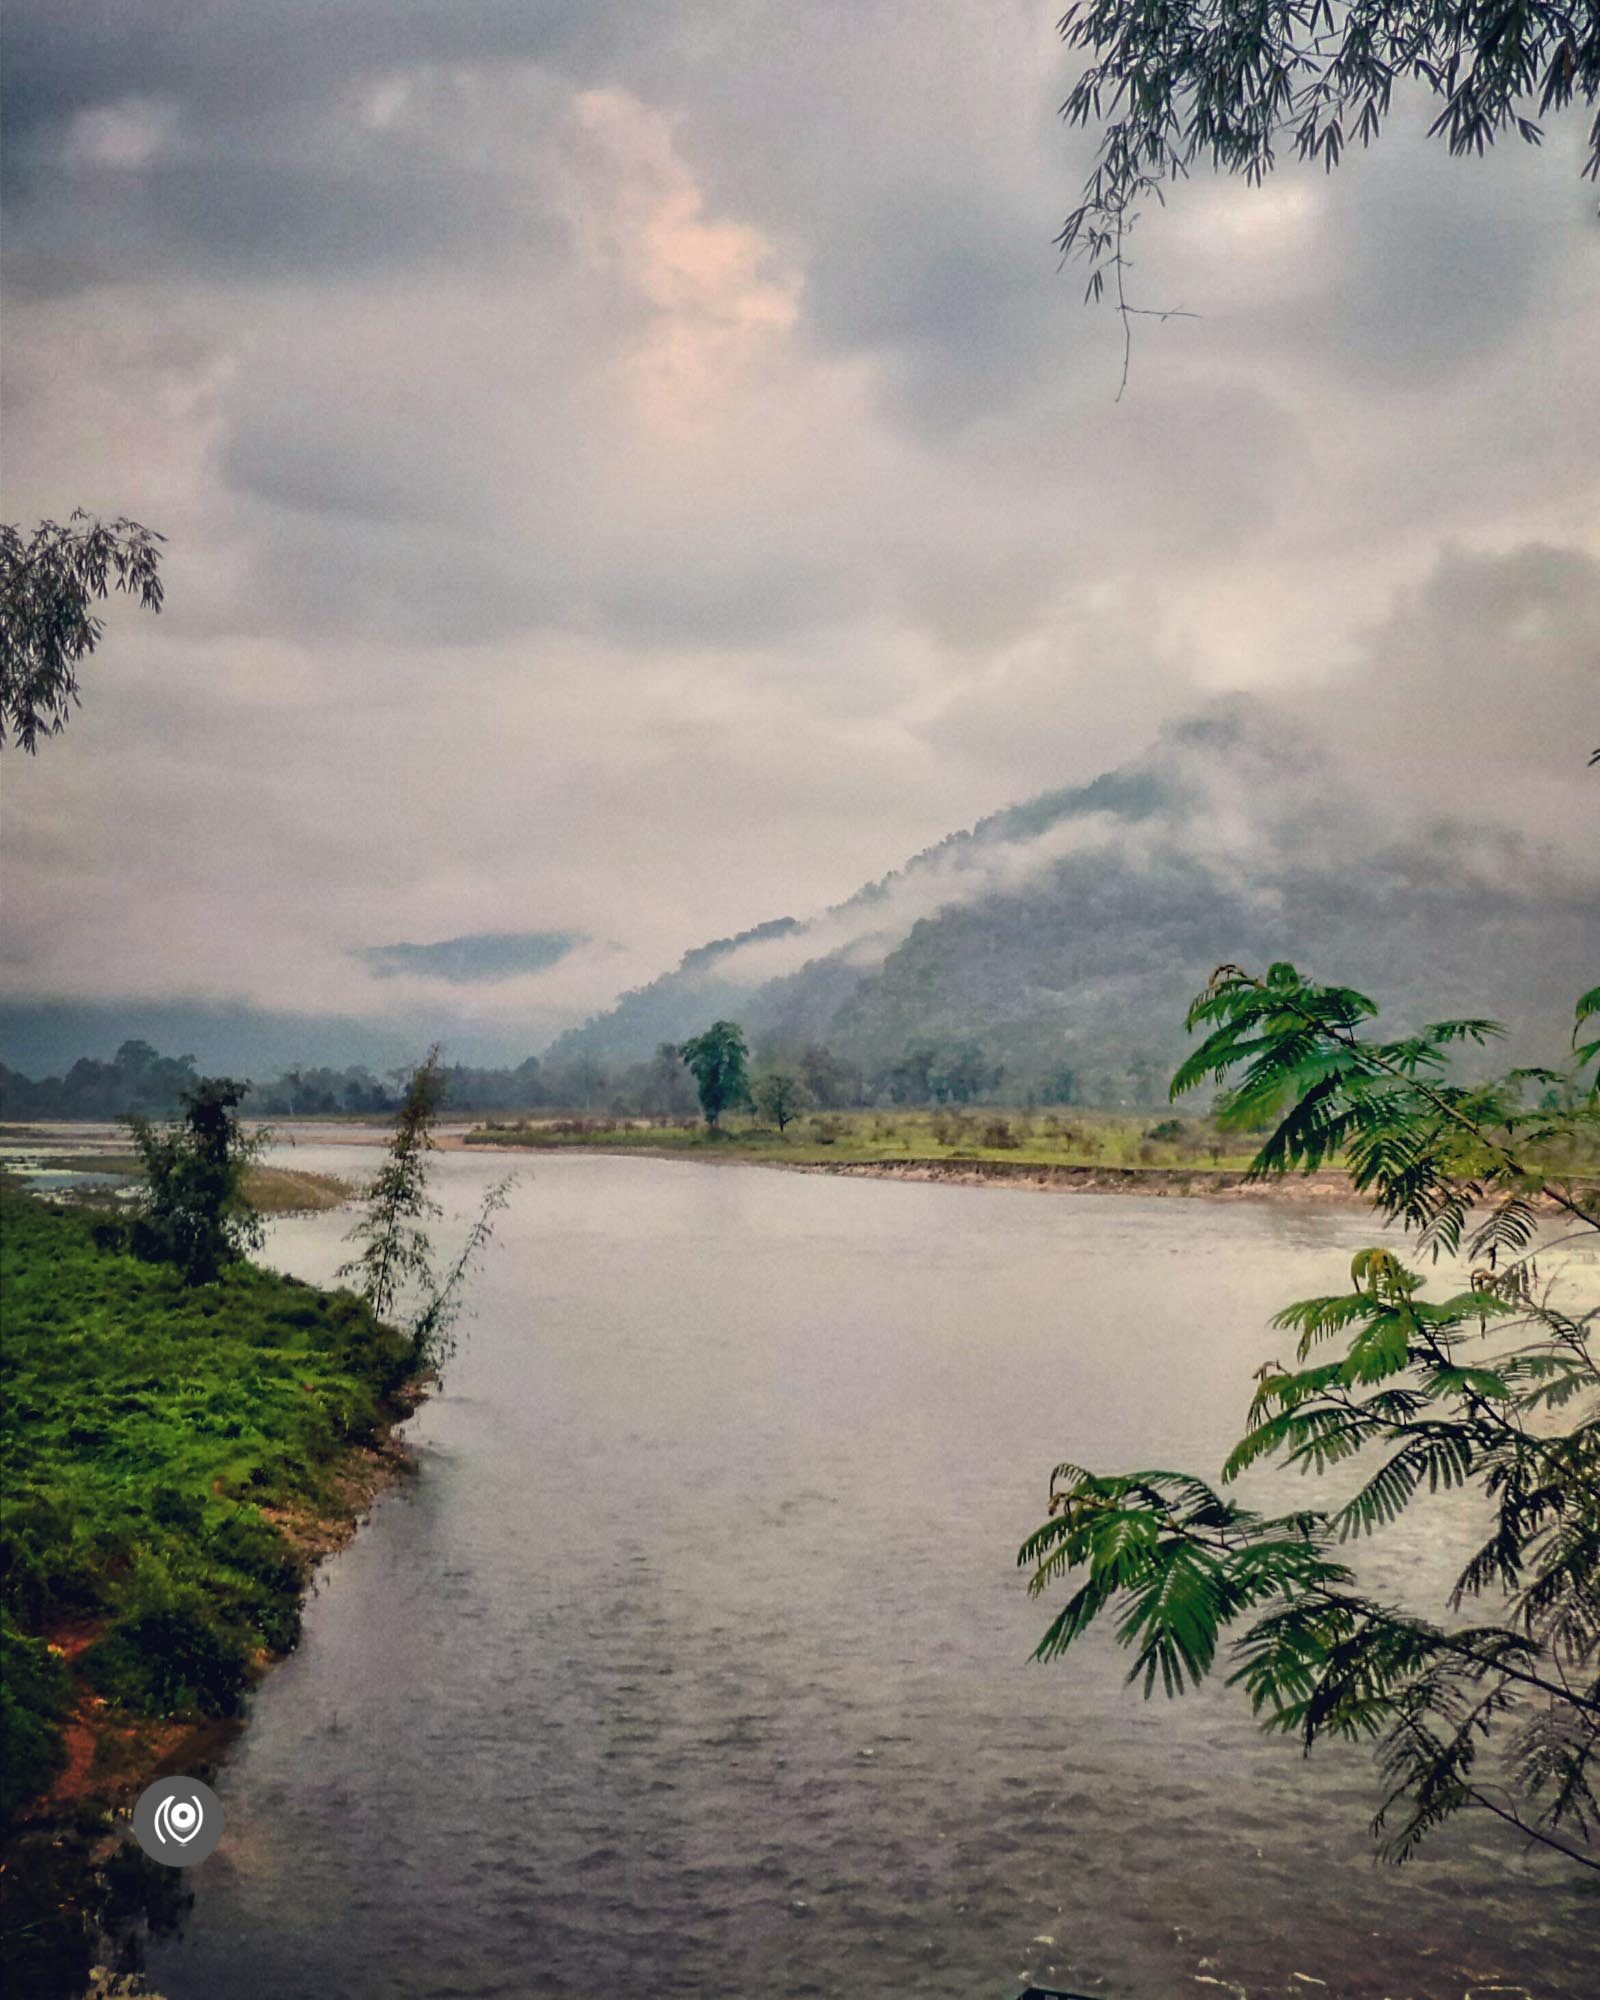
{"points": [[1023, 1138], [145, 1428], [270, 1190]]}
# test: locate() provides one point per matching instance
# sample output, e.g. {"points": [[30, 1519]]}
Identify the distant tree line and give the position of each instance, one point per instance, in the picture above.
{"points": [[137, 1082], [777, 1083]]}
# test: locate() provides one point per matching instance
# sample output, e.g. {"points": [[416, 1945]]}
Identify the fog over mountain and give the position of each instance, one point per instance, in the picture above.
{"points": [[1066, 932], [1073, 929]]}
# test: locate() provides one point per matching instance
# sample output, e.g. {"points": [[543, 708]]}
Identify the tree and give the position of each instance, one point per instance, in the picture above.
{"points": [[195, 1213], [396, 1255], [48, 583], [779, 1097], [718, 1060], [1493, 1389], [395, 1248]]}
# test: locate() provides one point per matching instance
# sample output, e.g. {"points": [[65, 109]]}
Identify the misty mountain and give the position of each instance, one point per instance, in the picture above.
{"points": [[1071, 931], [479, 959]]}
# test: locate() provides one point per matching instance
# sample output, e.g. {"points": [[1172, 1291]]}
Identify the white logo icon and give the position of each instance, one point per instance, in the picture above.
{"points": [[179, 1820]]}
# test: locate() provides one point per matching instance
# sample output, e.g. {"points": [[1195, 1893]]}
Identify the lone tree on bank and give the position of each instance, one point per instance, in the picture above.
{"points": [[779, 1098], [395, 1258], [48, 586], [719, 1062], [394, 1249], [194, 1212]]}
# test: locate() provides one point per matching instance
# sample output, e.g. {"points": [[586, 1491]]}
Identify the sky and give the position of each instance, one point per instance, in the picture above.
{"points": [[629, 474]]}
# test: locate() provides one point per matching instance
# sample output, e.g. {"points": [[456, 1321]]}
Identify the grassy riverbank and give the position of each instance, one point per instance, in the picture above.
{"points": [[173, 1459], [269, 1190], [1070, 1152], [1105, 1143]]}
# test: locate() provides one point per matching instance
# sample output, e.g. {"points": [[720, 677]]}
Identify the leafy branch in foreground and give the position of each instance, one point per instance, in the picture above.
{"points": [[1171, 83], [47, 586], [1493, 1389], [1428, 1151], [396, 1255]]}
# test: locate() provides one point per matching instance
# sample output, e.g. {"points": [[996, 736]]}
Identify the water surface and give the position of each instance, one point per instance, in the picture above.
{"points": [[692, 1660]]}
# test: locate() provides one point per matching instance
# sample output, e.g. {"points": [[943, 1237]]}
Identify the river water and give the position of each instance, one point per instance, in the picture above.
{"points": [[693, 1659]]}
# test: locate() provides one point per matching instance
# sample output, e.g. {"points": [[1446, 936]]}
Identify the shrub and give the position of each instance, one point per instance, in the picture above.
{"points": [[175, 1656], [33, 1698]]}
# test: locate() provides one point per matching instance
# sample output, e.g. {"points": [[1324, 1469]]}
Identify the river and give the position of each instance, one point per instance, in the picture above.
{"points": [[693, 1660]]}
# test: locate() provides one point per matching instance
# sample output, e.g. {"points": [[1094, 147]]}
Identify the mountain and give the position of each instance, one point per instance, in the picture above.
{"points": [[1071, 931], [481, 959]]}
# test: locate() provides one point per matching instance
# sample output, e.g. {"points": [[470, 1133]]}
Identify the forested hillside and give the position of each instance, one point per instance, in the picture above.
{"points": [[1065, 936]]}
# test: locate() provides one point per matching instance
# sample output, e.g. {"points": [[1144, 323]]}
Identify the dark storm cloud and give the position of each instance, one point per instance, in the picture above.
{"points": [[228, 60], [960, 293], [261, 220]]}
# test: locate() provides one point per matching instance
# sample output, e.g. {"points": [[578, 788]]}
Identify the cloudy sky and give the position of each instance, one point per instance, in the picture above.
{"points": [[633, 472]]}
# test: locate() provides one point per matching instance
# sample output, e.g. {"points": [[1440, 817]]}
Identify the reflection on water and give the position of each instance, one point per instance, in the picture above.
{"points": [[693, 1659]]}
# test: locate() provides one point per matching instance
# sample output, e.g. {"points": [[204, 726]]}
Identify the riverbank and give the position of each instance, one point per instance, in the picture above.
{"points": [[91, 1168], [1041, 1177], [1095, 1153], [175, 1463]]}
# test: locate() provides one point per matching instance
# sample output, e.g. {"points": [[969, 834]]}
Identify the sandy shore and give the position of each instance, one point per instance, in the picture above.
{"points": [[1188, 1183]]}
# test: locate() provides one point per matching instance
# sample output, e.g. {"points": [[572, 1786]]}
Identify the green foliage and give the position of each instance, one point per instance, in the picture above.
{"points": [[1091, 1139], [779, 1098], [1493, 1389], [394, 1246], [48, 583], [34, 1694], [718, 1061], [194, 1211], [396, 1258], [1226, 81], [146, 1425], [1428, 1151], [173, 1652]]}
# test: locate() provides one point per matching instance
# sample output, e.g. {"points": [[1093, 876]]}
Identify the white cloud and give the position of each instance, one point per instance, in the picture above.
{"points": [[643, 477]]}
